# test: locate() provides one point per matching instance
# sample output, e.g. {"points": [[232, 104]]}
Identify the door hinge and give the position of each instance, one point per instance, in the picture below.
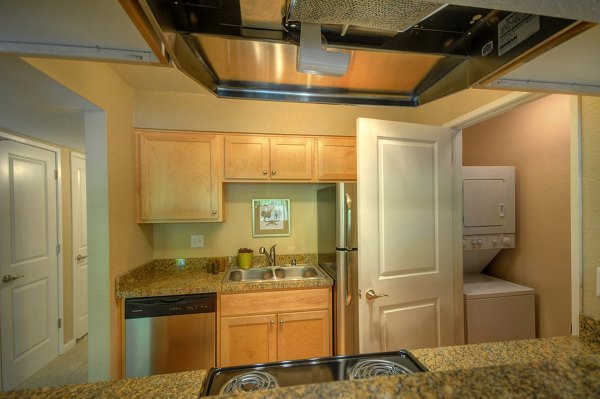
{"points": [[57, 249], [56, 174], [59, 323]]}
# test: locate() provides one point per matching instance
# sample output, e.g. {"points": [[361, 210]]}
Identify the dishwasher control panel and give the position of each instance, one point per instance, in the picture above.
{"points": [[169, 305]]}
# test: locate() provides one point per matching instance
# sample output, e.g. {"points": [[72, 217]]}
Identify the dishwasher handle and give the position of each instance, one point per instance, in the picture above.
{"points": [[136, 308]]}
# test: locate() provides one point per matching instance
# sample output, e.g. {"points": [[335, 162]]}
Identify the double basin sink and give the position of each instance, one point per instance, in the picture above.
{"points": [[273, 273]]}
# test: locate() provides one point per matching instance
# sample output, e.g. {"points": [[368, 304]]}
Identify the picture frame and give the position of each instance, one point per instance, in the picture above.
{"points": [[271, 217]]}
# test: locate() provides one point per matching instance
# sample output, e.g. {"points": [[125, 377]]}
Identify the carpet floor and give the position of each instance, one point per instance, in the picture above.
{"points": [[69, 368]]}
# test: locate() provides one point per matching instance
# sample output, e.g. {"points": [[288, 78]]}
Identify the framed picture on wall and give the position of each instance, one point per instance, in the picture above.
{"points": [[270, 217]]}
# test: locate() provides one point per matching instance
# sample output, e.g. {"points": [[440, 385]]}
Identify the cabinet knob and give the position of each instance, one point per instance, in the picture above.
{"points": [[273, 172], [281, 322], [272, 322], [214, 212], [265, 172]]}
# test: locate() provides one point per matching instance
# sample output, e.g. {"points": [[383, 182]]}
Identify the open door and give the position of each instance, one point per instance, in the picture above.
{"points": [[405, 236]]}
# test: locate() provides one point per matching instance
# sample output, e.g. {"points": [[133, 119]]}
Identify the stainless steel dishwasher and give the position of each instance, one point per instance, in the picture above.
{"points": [[169, 334]]}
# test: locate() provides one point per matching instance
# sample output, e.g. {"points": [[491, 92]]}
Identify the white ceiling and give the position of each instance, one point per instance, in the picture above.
{"points": [[571, 67], [77, 28]]}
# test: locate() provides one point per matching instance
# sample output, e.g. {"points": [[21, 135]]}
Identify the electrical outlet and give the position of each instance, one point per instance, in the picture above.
{"points": [[197, 241]]}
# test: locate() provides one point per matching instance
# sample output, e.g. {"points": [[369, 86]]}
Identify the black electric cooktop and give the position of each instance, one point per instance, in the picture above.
{"points": [[257, 377]]}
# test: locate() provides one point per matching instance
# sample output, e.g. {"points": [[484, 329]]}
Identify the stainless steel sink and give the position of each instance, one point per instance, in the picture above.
{"points": [[273, 273]]}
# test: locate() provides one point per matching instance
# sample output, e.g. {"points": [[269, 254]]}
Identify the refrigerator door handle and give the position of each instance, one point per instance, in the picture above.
{"points": [[348, 279], [348, 222]]}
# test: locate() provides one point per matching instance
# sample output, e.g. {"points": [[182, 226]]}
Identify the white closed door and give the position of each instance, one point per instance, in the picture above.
{"points": [[28, 260], [405, 236], [79, 228]]}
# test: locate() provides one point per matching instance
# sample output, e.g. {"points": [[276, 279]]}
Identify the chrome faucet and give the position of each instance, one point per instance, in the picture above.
{"points": [[270, 256]]}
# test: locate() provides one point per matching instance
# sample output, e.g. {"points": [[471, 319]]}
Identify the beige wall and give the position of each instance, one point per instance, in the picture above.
{"points": [[224, 239], [205, 112], [535, 138], [591, 202]]}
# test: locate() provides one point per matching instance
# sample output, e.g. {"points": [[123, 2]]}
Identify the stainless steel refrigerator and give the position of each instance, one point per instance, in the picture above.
{"points": [[338, 255]]}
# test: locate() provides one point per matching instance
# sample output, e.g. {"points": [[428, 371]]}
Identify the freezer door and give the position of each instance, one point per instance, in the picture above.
{"points": [[347, 216]]}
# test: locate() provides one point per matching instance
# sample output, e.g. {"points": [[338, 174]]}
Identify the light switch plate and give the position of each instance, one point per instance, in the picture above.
{"points": [[197, 241]]}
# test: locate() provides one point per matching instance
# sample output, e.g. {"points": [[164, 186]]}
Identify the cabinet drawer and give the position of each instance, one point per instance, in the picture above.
{"points": [[274, 301]]}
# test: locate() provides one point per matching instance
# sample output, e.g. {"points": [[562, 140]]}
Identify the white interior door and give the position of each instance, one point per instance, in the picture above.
{"points": [[80, 263], [28, 260], [405, 236]]}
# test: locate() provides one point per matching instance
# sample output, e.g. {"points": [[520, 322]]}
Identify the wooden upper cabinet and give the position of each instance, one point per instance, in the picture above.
{"points": [[253, 157], [292, 158], [247, 157], [336, 158], [178, 177]]}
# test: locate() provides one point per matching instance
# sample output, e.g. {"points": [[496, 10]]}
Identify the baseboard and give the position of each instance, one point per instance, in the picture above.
{"points": [[68, 345]]}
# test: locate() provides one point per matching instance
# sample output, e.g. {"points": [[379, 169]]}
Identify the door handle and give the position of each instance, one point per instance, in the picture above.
{"points": [[348, 279], [80, 258], [7, 278], [370, 294], [348, 222]]}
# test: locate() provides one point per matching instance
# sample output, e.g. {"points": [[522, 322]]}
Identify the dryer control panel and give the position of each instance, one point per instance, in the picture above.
{"points": [[488, 241]]}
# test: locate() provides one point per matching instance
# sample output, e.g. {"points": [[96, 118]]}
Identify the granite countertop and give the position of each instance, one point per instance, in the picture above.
{"points": [[548, 367], [162, 277]]}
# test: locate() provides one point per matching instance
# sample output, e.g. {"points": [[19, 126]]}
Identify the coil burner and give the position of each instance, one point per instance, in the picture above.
{"points": [[376, 367], [249, 382]]}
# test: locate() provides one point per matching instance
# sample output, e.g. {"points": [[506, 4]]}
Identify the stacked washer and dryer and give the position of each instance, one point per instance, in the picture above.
{"points": [[495, 309]]}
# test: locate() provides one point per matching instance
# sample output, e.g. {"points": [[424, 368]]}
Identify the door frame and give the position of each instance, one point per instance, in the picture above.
{"points": [[489, 111], [12, 136], [81, 155]]}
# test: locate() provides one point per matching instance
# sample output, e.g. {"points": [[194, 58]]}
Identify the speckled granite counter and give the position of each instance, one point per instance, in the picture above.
{"points": [[552, 367], [163, 277]]}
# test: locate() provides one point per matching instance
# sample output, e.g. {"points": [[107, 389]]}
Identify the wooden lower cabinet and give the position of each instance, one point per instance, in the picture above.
{"points": [[248, 339], [292, 329], [303, 335]]}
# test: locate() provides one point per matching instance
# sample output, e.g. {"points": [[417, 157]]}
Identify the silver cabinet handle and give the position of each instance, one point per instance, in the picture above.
{"points": [[265, 172], [281, 322], [370, 294], [272, 322], [273, 172], [80, 258], [214, 212], [7, 278]]}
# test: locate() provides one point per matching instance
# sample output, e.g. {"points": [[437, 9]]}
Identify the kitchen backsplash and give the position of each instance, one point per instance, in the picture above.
{"points": [[224, 262]]}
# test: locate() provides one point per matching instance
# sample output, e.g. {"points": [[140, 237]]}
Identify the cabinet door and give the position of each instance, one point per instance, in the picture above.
{"points": [[303, 335], [248, 340], [246, 157], [336, 158], [292, 158], [178, 177]]}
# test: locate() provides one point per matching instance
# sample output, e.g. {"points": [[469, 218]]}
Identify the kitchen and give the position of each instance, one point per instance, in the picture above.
{"points": [[171, 110]]}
